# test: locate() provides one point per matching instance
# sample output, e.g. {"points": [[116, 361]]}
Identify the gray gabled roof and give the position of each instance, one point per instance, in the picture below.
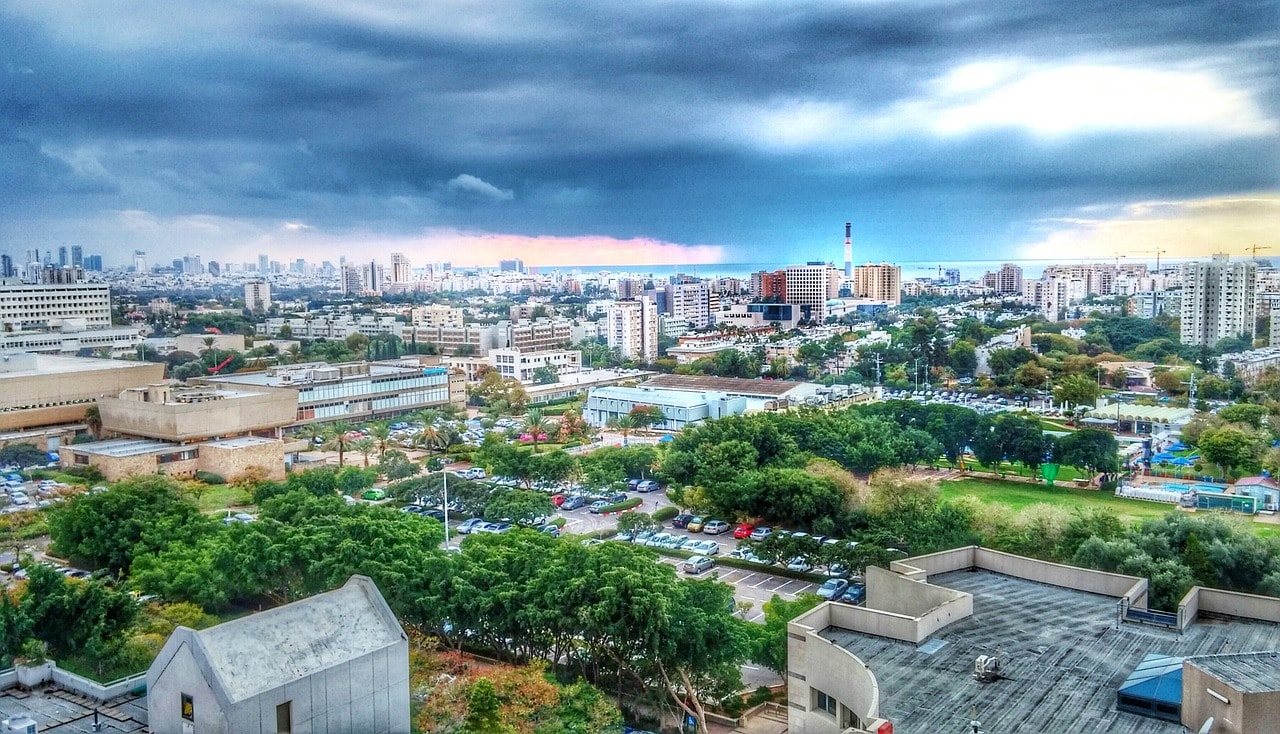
{"points": [[263, 651]]}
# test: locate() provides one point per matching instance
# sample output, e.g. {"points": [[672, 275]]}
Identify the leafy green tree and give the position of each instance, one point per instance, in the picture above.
{"points": [[518, 506], [637, 522], [537, 426], [554, 466], [769, 647], [1246, 414], [338, 437], [1091, 450], [483, 714], [1230, 448], [963, 357], [1078, 390], [137, 515]]}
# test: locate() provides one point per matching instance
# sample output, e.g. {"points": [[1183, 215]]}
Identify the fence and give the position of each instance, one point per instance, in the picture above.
{"points": [[49, 672]]}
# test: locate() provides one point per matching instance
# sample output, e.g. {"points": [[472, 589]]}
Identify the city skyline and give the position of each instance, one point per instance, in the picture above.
{"points": [[645, 135]]}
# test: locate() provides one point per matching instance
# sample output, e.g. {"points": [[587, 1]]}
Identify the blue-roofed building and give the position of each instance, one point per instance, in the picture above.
{"points": [[1154, 688]]}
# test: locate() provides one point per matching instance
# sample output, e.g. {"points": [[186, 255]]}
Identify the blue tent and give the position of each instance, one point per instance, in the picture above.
{"points": [[666, 439], [1179, 446], [1163, 456], [1154, 688], [1181, 462]]}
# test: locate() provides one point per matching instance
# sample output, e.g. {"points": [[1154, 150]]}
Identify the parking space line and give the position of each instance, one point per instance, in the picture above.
{"points": [[779, 590], [763, 581], [749, 575], [801, 590], [731, 577], [759, 616]]}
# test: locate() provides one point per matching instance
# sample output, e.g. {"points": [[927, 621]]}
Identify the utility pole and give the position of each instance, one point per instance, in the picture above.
{"points": [[446, 505], [878, 378], [1191, 395], [916, 373]]}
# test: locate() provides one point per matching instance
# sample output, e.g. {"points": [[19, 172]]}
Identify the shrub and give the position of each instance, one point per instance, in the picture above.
{"points": [[209, 477], [662, 514], [629, 504]]}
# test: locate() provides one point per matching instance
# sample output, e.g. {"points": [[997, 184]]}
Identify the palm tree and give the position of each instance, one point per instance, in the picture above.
{"points": [[452, 411], [428, 416], [537, 425], [93, 420], [365, 446], [311, 432], [429, 439], [622, 424], [381, 434], [336, 439]]}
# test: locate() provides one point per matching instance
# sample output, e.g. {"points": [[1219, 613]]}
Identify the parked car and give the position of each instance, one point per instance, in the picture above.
{"points": [[743, 531], [681, 520], [572, 502], [373, 495], [468, 526], [642, 537], [647, 486], [657, 539], [597, 506], [715, 527], [761, 533], [832, 588], [799, 563], [551, 530], [854, 594], [695, 525], [558, 500], [699, 564], [705, 547]]}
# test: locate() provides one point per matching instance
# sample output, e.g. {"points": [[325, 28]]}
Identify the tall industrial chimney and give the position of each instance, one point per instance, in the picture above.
{"points": [[848, 249]]}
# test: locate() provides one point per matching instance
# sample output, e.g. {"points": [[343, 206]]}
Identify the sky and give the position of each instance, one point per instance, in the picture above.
{"points": [[640, 132]]}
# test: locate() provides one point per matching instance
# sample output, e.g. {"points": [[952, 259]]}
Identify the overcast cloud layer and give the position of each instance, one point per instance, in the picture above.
{"points": [[576, 132]]}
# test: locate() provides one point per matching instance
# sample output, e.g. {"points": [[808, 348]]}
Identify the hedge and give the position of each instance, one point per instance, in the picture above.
{"points": [[662, 514], [629, 504], [209, 477]]}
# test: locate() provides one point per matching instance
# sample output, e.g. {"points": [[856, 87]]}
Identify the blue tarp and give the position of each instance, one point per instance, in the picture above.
{"points": [[1163, 456], [1179, 446], [1181, 462]]}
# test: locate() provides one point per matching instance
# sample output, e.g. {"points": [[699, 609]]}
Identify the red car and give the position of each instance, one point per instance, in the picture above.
{"points": [[557, 499], [743, 531]]}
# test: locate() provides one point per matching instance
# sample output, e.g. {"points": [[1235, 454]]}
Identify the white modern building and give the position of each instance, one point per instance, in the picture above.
{"points": [[257, 295], [25, 307], [680, 408], [633, 329], [1218, 300], [810, 286], [522, 366], [334, 662]]}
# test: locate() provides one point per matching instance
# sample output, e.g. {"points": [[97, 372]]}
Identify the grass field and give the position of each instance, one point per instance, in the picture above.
{"points": [[222, 496], [1018, 495]]}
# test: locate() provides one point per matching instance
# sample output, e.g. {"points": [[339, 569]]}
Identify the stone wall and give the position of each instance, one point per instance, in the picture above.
{"points": [[230, 462]]}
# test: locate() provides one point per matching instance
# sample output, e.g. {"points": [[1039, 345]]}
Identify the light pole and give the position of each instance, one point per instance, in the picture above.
{"points": [[445, 478], [916, 374]]}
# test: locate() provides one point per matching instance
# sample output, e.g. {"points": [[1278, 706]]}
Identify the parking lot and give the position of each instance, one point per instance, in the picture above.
{"points": [[751, 587]]}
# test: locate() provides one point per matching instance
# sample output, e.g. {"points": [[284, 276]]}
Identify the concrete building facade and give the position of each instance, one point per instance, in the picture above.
{"points": [[336, 662], [810, 286], [521, 365], [257, 295], [633, 329], [1219, 300], [38, 390], [881, 282], [25, 307]]}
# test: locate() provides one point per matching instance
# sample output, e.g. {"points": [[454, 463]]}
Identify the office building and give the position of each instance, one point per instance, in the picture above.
{"points": [[263, 265], [257, 295], [521, 366], [1218, 300], [6, 267], [401, 269], [40, 390], [93, 263], [769, 286], [881, 283], [25, 307], [511, 266], [351, 280], [810, 286], [139, 261], [951, 276], [633, 329], [63, 259]]}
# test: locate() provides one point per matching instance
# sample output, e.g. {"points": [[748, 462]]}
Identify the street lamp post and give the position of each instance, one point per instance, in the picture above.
{"points": [[445, 478]]}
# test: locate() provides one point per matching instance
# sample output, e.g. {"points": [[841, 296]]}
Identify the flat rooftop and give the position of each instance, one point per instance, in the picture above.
{"points": [[733, 385], [1064, 655], [56, 711], [125, 447], [30, 364], [239, 442], [1256, 672]]}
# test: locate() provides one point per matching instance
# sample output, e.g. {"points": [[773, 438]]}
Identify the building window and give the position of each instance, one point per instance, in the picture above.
{"points": [[284, 718], [823, 702], [188, 707]]}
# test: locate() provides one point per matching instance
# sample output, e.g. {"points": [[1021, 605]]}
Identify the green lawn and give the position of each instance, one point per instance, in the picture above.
{"points": [[222, 496], [1065, 473], [1018, 495]]}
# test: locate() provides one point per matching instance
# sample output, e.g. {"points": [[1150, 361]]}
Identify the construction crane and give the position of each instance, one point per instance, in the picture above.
{"points": [[1254, 248], [224, 363], [1157, 252]]}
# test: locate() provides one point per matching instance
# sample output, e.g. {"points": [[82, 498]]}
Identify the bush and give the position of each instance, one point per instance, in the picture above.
{"points": [[209, 477], [629, 504], [662, 514]]}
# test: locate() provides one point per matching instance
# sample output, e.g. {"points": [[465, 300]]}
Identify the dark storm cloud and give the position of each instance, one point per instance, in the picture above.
{"points": [[668, 120]]}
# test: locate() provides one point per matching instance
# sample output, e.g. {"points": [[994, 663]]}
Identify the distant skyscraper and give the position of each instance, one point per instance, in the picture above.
{"points": [[77, 256], [1007, 281], [401, 269], [94, 263], [848, 249], [952, 276], [1218, 300], [63, 260], [139, 261], [214, 268], [511, 266], [351, 281], [6, 265]]}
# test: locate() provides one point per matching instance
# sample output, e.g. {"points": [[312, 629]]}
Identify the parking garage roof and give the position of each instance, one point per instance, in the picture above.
{"points": [[1064, 655]]}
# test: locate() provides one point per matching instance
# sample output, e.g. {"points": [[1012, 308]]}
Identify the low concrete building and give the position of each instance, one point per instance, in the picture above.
{"points": [[229, 458], [201, 343], [41, 390], [185, 413], [1240, 691], [680, 408], [336, 662]]}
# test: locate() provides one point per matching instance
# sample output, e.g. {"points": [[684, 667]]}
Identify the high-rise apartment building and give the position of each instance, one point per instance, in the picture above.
{"points": [[769, 285], [690, 303], [139, 261], [6, 267], [881, 282], [1007, 281], [810, 286], [351, 280], [264, 265], [633, 329], [1218, 300], [257, 295], [401, 269], [511, 266], [94, 263]]}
